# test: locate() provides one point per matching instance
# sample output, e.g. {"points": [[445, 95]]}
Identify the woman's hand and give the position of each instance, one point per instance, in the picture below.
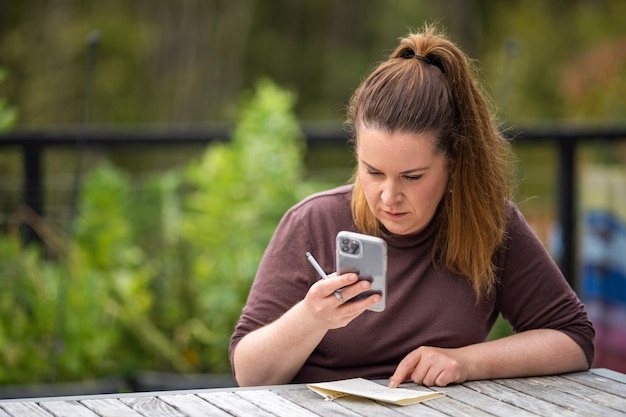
{"points": [[532, 352], [330, 310], [431, 366], [273, 354]]}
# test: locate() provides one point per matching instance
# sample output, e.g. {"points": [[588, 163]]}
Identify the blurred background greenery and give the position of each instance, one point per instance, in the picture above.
{"points": [[153, 272], [186, 62]]}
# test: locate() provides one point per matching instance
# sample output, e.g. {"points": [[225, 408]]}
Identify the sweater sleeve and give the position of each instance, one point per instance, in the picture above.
{"points": [[533, 293], [285, 275], [281, 281]]}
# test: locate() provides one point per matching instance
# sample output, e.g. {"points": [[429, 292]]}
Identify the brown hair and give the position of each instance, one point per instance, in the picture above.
{"points": [[428, 85]]}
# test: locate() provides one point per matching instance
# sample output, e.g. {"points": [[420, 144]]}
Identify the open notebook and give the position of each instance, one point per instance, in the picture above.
{"points": [[369, 389]]}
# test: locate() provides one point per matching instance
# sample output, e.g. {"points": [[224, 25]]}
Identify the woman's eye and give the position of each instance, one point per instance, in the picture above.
{"points": [[413, 177], [373, 173]]}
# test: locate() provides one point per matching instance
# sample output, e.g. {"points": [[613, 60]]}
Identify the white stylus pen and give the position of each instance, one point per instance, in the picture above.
{"points": [[322, 274]]}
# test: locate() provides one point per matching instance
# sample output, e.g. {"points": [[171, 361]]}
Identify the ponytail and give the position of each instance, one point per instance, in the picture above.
{"points": [[428, 85]]}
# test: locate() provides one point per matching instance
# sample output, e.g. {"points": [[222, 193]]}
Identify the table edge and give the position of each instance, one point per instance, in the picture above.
{"points": [[602, 372]]}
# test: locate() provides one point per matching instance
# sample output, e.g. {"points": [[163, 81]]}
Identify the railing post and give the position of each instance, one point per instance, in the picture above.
{"points": [[567, 208], [32, 195]]}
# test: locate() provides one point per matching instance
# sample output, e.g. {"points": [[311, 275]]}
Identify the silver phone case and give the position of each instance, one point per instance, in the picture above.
{"points": [[369, 261]]}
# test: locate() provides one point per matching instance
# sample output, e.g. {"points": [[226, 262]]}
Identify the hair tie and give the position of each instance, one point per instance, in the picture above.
{"points": [[422, 58], [409, 54]]}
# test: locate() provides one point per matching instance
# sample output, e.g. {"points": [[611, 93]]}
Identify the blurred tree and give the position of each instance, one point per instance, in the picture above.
{"points": [[8, 114], [559, 60], [196, 56], [188, 62]]}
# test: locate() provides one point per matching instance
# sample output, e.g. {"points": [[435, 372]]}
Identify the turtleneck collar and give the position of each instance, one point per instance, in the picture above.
{"points": [[412, 240]]}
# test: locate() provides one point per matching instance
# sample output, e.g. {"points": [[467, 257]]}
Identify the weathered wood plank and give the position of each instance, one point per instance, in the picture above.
{"points": [[275, 404], [234, 404], [585, 392], [4, 413], [609, 374], [349, 407], [26, 409], [575, 394], [67, 409], [110, 407], [194, 406], [363, 406], [485, 403], [538, 389], [152, 406], [598, 382], [452, 407], [519, 399], [419, 409], [306, 398]]}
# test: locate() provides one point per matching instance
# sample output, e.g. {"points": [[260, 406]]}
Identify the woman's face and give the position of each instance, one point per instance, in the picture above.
{"points": [[403, 178]]}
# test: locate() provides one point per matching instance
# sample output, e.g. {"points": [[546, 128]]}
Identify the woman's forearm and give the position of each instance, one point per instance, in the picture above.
{"points": [[275, 353], [533, 352]]}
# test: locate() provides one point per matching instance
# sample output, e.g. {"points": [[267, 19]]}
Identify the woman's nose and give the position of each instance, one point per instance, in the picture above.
{"points": [[390, 193]]}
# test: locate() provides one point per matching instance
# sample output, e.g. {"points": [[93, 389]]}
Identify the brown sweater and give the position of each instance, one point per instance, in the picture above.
{"points": [[426, 305]]}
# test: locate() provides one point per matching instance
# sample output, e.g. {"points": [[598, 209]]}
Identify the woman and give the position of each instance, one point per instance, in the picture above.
{"points": [[431, 180]]}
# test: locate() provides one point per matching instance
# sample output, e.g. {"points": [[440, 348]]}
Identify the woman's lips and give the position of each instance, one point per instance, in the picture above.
{"points": [[394, 216]]}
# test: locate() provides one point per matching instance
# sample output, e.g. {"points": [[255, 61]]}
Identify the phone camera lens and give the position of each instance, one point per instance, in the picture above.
{"points": [[354, 247], [349, 246]]}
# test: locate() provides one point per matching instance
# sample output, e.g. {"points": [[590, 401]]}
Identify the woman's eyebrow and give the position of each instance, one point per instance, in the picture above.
{"points": [[370, 167], [413, 171], [408, 171]]}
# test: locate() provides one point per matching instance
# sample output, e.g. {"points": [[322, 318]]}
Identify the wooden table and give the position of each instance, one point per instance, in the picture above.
{"points": [[597, 393]]}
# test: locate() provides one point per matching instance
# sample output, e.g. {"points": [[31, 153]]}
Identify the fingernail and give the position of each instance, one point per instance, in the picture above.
{"points": [[393, 383]]}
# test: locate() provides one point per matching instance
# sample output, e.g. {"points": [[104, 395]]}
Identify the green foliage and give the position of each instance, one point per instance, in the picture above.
{"points": [[53, 320], [157, 63], [548, 62], [240, 191], [155, 274], [500, 329], [8, 114]]}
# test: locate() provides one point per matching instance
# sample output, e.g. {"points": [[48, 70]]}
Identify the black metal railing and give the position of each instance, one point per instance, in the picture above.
{"points": [[566, 139]]}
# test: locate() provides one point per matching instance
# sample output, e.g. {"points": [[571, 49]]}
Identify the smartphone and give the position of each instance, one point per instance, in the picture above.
{"points": [[366, 256]]}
